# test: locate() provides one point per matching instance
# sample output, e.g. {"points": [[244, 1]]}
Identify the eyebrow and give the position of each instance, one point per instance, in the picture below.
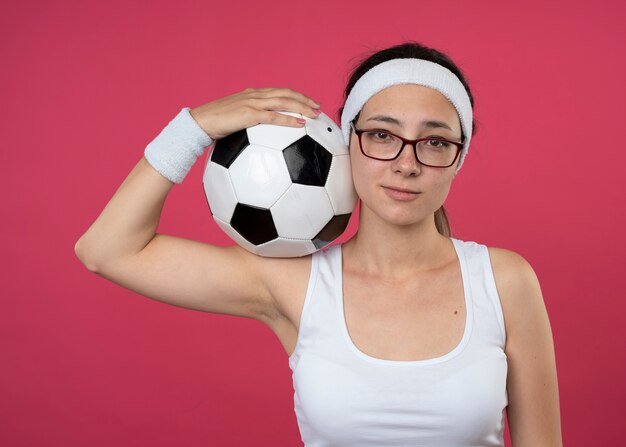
{"points": [[430, 124]]}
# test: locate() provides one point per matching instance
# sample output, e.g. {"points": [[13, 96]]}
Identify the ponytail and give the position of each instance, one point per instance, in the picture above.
{"points": [[441, 222]]}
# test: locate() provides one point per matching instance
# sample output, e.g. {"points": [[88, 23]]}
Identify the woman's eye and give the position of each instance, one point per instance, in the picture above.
{"points": [[379, 136], [438, 144]]}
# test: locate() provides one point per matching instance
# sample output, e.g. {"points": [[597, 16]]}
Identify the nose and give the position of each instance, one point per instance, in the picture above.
{"points": [[406, 163]]}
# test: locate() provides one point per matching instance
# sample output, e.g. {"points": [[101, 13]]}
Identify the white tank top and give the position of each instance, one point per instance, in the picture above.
{"points": [[343, 397]]}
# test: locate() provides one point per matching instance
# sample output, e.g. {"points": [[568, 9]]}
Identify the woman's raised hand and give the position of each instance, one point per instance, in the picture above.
{"points": [[229, 114]]}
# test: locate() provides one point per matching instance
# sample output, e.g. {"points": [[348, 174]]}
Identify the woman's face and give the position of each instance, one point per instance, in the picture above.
{"points": [[410, 111]]}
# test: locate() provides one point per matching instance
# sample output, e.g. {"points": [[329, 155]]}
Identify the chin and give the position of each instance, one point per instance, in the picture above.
{"points": [[402, 217]]}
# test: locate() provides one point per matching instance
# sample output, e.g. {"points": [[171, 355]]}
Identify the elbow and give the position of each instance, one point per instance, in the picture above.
{"points": [[83, 255]]}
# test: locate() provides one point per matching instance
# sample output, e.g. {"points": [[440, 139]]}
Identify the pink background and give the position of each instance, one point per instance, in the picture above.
{"points": [[86, 85]]}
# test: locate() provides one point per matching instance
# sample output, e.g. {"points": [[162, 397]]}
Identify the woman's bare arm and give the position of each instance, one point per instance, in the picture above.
{"points": [[533, 411], [122, 244]]}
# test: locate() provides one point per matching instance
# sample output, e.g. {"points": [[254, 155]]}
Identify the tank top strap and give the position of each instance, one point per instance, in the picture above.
{"points": [[319, 317], [486, 300]]}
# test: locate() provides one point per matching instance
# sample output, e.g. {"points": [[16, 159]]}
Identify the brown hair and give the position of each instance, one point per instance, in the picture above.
{"points": [[410, 50]]}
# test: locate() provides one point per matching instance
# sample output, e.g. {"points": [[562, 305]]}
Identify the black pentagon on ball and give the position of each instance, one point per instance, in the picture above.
{"points": [[227, 149], [308, 162], [254, 224], [331, 230]]}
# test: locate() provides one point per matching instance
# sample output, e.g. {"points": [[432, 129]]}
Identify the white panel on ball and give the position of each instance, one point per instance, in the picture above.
{"points": [[219, 191], [275, 137], [317, 129], [235, 236], [286, 248], [339, 185], [259, 176], [302, 212]]}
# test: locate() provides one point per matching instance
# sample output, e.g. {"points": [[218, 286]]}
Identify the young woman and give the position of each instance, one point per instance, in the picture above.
{"points": [[402, 335]]}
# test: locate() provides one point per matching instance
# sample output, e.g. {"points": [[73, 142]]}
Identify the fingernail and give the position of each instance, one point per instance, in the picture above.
{"points": [[316, 105], [317, 112], [301, 121]]}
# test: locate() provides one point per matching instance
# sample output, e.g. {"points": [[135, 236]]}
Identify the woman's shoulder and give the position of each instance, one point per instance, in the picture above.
{"points": [[518, 288], [516, 283], [507, 264], [511, 267]]}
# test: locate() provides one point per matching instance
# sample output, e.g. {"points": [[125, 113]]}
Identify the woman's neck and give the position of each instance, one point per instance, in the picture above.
{"points": [[396, 251]]}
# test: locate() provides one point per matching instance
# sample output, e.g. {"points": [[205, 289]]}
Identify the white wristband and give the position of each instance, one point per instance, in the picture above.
{"points": [[174, 151]]}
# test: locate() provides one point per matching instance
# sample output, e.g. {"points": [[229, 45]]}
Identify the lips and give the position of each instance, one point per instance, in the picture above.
{"points": [[401, 194], [395, 188]]}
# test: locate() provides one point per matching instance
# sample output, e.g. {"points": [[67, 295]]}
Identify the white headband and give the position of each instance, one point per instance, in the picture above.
{"points": [[409, 71]]}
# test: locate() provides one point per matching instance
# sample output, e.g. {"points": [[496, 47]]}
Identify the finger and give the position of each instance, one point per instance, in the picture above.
{"points": [[289, 93], [287, 105], [278, 119]]}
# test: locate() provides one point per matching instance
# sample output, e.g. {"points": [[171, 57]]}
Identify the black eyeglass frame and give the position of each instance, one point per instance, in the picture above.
{"points": [[405, 141]]}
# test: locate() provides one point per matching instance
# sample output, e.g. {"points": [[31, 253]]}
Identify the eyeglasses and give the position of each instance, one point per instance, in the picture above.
{"points": [[384, 145]]}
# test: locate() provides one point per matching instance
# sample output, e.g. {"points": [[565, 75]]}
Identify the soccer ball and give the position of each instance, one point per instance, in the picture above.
{"points": [[281, 191]]}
